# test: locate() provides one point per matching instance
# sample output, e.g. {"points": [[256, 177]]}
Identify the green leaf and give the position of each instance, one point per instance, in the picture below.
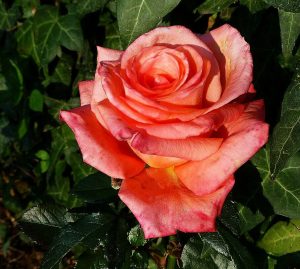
{"points": [[28, 7], [135, 17], [44, 160], [284, 191], [43, 222], [8, 17], [90, 260], [285, 140], [254, 5], [89, 6], [282, 238], [93, 226], [12, 89], [289, 30], [286, 5], [136, 236], [36, 101], [95, 188], [249, 219], [214, 6], [216, 251], [27, 41], [112, 37], [53, 30]]}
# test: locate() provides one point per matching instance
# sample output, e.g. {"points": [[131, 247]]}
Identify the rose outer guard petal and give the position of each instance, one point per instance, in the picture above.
{"points": [[163, 205], [99, 148]]}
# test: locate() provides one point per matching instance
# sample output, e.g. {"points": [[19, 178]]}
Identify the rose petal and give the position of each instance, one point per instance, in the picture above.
{"points": [[192, 148], [163, 205], [172, 35], [245, 136], [99, 149], [235, 62], [86, 91]]}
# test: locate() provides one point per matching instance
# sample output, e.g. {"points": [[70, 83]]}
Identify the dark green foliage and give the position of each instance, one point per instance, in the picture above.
{"points": [[47, 47]]}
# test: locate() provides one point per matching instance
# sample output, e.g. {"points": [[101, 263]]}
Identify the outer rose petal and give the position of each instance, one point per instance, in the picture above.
{"points": [[245, 137], [235, 62], [163, 205], [86, 91], [99, 149]]}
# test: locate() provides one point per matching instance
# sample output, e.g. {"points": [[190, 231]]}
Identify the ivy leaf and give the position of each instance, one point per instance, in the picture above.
{"points": [[136, 17], [254, 5], [289, 30], [27, 41], [289, 6], [249, 219], [285, 140], [43, 222], [282, 238], [8, 18], [284, 191], [95, 188], [93, 226], [217, 251], [214, 6], [136, 236], [89, 6], [53, 30], [112, 37]]}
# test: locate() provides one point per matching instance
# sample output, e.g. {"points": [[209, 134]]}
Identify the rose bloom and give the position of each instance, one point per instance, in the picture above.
{"points": [[171, 116]]}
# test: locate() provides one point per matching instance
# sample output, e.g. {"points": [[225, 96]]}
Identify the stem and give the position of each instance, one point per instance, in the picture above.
{"points": [[171, 262]]}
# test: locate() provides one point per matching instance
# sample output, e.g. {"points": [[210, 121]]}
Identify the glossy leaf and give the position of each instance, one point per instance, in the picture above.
{"points": [[282, 238], [285, 140], [82, 231], [90, 260], [215, 250], [89, 6], [136, 17], [43, 222]]}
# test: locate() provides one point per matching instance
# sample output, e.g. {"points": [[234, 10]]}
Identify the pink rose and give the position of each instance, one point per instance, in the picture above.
{"points": [[170, 116]]}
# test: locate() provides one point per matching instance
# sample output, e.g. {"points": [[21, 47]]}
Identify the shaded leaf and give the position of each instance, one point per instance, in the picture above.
{"points": [[36, 101], [89, 6], [289, 30], [95, 188], [53, 30], [214, 6], [43, 222], [27, 41], [215, 250], [112, 37], [254, 5], [249, 219], [90, 260], [136, 17], [286, 5], [8, 17], [93, 226], [285, 140], [284, 191], [282, 238]]}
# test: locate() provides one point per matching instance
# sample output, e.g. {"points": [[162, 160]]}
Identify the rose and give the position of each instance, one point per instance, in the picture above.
{"points": [[179, 103]]}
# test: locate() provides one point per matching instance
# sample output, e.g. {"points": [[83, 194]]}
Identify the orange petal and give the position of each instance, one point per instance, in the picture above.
{"points": [[162, 205], [245, 137], [86, 91], [99, 148]]}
